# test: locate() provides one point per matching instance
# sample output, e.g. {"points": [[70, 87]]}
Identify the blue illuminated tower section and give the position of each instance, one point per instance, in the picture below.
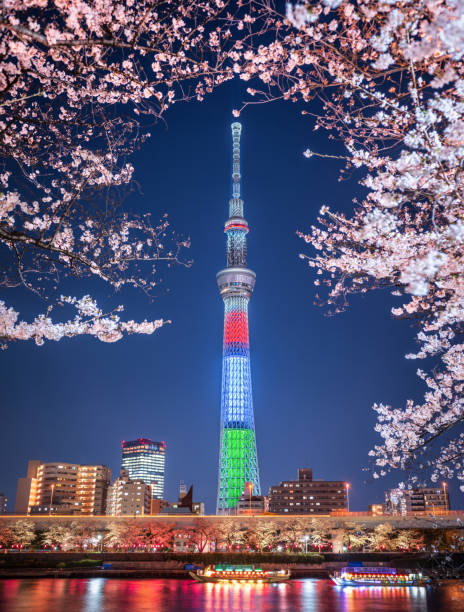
{"points": [[238, 461]]}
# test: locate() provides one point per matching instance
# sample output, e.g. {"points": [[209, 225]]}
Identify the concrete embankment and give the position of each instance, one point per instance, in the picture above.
{"points": [[148, 565], [134, 569]]}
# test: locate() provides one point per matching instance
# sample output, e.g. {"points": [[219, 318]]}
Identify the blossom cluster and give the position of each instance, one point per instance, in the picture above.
{"points": [[89, 320], [80, 83]]}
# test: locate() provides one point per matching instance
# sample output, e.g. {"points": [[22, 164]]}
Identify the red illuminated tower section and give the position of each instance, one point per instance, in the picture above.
{"points": [[238, 461]]}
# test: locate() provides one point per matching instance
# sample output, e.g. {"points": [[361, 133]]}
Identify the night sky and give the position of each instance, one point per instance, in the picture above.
{"points": [[315, 377]]}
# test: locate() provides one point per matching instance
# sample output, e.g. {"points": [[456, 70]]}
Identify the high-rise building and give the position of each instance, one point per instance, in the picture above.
{"points": [[145, 460], [3, 503], [238, 460], [62, 488], [92, 487], [308, 496], [128, 497], [407, 501]]}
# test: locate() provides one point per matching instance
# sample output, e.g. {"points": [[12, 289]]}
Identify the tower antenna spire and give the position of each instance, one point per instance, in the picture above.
{"points": [[236, 133]]}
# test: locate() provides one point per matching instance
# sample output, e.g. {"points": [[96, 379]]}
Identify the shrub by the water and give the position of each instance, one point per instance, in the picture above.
{"points": [[86, 563], [244, 558]]}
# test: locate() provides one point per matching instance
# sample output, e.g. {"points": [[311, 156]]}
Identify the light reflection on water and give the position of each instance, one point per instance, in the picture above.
{"points": [[165, 595]]}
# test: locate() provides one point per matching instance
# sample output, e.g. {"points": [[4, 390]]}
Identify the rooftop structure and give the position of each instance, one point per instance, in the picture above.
{"points": [[238, 460]]}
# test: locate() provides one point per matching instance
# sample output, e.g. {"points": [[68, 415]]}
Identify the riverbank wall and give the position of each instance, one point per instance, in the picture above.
{"points": [[156, 565]]}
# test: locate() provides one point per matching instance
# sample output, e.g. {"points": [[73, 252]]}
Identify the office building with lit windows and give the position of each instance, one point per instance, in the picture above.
{"points": [[144, 460], [62, 488], [308, 496]]}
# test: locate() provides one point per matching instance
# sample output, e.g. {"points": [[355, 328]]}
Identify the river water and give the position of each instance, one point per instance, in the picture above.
{"points": [[170, 595]]}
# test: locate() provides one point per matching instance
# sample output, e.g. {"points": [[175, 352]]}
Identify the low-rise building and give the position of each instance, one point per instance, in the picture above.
{"points": [[62, 488], [376, 509], [252, 504], [308, 496], [409, 501], [198, 507], [185, 505], [128, 497], [157, 505]]}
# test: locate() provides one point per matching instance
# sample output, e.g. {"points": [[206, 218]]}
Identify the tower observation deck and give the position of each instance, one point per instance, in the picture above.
{"points": [[238, 461]]}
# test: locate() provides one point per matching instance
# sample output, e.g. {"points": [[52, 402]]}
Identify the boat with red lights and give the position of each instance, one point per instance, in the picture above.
{"points": [[239, 573], [377, 576]]}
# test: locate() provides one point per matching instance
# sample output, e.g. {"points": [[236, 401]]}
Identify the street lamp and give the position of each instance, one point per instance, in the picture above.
{"points": [[306, 538], [99, 538], [347, 485], [444, 496], [250, 491], [51, 498]]}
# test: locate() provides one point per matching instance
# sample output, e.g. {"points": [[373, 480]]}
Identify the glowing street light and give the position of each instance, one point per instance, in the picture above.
{"points": [[249, 486], [51, 498], [306, 538], [347, 485]]}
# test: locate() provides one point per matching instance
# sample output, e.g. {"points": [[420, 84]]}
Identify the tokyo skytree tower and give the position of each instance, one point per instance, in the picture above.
{"points": [[238, 461]]}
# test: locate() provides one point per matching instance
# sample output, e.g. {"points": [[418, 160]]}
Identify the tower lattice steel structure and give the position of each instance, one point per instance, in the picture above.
{"points": [[238, 461]]}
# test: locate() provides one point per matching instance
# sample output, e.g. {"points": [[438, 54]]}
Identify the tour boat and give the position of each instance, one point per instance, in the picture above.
{"points": [[377, 576], [239, 573]]}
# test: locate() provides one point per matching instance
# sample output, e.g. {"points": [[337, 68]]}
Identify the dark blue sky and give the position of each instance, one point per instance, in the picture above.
{"points": [[315, 377]]}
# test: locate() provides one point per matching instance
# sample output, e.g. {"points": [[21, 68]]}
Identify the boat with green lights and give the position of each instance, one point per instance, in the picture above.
{"points": [[239, 573]]}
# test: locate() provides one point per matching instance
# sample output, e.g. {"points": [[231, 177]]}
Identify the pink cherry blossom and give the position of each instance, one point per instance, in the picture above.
{"points": [[80, 81]]}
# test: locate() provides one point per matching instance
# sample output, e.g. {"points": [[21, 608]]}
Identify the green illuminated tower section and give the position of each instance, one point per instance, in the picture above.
{"points": [[238, 461]]}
